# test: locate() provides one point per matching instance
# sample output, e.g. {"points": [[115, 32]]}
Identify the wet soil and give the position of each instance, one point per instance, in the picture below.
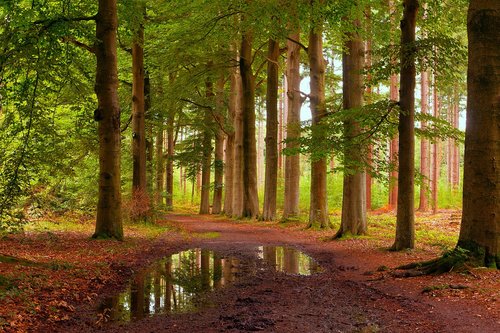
{"points": [[354, 293]]}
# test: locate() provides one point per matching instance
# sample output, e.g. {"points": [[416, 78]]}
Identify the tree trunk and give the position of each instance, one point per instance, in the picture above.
{"points": [[238, 182], [292, 162], [207, 155], [169, 165], [424, 145], [159, 165], [271, 179], [139, 190], [219, 148], [318, 208], [368, 65], [251, 198], [109, 219], [405, 218], [436, 161], [353, 219], [234, 108], [456, 150], [394, 143], [480, 228]]}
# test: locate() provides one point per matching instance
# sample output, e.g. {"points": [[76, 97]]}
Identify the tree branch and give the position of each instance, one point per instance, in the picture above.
{"points": [[298, 43], [75, 42]]}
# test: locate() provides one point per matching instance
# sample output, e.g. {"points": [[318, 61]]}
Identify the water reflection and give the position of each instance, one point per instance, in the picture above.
{"points": [[173, 284], [178, 282], [289, 260]]}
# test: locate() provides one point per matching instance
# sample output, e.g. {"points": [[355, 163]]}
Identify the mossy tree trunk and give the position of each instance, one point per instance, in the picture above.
{"points": [[109, 219]]}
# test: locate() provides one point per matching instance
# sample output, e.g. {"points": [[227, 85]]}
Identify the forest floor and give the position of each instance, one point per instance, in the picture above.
{"points": [[54, 281]]}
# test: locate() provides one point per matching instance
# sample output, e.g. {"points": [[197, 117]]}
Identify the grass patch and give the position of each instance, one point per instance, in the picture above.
{"points": [[207, 235]]}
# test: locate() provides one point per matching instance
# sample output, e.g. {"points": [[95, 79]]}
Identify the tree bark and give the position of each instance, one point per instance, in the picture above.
{"points": [[169, 163], [234, 108], [219, 148], [405, 217], [271, 177], [251, 199], [292, 162], [318, 208], [139, 190], [480, 228], [238, 182], [436, 161], [394, 143], [424, 145], [109, 219], [207, 155], [353, 220], [159, 165]]}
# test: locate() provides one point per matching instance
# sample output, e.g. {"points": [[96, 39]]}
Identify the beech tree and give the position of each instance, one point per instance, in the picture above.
{"points": [[318, 205], [353, 219], [480, 228], [109, 219], [405, 219], [271, 178], [139, 190], [295, 100]]}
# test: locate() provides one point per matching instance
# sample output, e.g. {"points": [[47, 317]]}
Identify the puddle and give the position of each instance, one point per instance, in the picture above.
{"points": [[289, 260], [177, 283]]}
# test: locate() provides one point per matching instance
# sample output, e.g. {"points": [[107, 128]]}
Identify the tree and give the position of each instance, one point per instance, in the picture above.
{"points": [[292, 162], [271, 178], [109, 219], [250, 198], [353, 219], [480, 228], [219, 147], [139, 190], [405, 217], [318, 205]]}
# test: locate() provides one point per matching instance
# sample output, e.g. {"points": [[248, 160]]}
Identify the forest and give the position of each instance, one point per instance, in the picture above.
{"points": [[249, 165]]}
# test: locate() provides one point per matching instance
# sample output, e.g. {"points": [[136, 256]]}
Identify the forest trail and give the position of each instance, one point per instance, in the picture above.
{"points": [[349, 296]]}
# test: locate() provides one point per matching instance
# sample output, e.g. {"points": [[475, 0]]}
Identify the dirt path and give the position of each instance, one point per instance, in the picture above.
{"points": [[347, 297]]}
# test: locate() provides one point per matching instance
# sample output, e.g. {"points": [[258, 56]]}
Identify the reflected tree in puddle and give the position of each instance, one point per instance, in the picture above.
{"points": [[178, 283]]}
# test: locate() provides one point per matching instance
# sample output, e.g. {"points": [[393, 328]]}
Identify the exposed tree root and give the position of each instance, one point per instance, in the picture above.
{"points": [[453, 260]]}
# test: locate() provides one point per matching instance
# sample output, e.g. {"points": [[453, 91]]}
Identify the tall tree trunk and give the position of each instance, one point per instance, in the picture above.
{"points": [[159, 165], [480, 228], [281, 122], [260, 147], [436, 161], [456, 150], [207, 155], [271, 180], [394, 143], [238, 182], [353, 219], [219, 148], [109, 219], [405, 218], [424, 145], [234, 108], [251, 198], [292, 162], [139, 190], [318, 208], [368, 65], [169, 163]]}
